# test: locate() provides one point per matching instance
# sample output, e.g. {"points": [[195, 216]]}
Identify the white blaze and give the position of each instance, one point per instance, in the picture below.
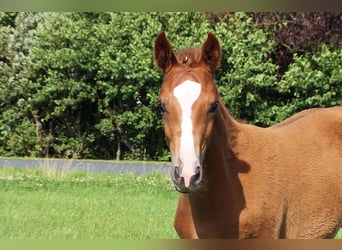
{"points": [[186, 94]]}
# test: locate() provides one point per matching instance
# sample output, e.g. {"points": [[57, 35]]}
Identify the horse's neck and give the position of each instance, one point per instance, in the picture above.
{"points": [[226, 129], [221, 195], [220, 159]]}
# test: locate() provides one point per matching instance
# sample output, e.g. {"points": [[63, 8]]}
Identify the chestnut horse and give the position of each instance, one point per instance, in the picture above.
{"points": [[238, 180]]}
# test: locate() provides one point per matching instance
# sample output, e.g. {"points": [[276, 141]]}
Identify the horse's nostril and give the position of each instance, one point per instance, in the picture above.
{"points": [[198, 172], [198, 175], [176, 174], [177, 171]]}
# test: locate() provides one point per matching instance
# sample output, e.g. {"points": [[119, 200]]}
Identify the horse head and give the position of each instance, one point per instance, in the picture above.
{"points": [[188, 102]]}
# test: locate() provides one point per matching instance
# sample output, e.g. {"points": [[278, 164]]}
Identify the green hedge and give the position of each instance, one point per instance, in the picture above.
{"points": [[84, 85]]}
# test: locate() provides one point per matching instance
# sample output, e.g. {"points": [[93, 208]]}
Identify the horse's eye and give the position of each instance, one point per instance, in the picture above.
{"points": [[161, 107], [213, 107]]}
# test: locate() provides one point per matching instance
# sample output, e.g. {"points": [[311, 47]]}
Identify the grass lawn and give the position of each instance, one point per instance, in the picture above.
{"points": [[36, 204]]}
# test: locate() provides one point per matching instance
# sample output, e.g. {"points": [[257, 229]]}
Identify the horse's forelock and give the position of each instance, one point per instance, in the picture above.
{"points": [[190, 56]]}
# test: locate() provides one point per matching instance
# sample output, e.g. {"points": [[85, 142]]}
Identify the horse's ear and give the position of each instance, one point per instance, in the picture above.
{"points": [[163, 54], [211, 52]]}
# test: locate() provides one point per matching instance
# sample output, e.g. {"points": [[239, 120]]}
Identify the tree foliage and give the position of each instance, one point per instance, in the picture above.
{"points": [[299, 33], [84, 85]]}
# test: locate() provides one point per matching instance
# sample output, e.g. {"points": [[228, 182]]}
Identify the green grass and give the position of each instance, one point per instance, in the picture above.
{"points": [[39, 205]]}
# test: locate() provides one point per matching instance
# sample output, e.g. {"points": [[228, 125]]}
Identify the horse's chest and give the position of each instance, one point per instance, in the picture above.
{"points": [[234, 222], [216, 222]]}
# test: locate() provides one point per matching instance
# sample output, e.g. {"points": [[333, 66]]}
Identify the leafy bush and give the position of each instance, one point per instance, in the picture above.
{"points": [[299, 33], [313, 81], [84, 85], [246, 78]]}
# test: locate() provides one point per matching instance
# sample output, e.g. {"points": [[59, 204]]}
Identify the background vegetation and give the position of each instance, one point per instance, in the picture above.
{"points": [[84, 85], [37, 204]]}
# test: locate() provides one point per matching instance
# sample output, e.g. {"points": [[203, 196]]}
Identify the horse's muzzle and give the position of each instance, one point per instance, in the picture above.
{"points": [[184, 186]]}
